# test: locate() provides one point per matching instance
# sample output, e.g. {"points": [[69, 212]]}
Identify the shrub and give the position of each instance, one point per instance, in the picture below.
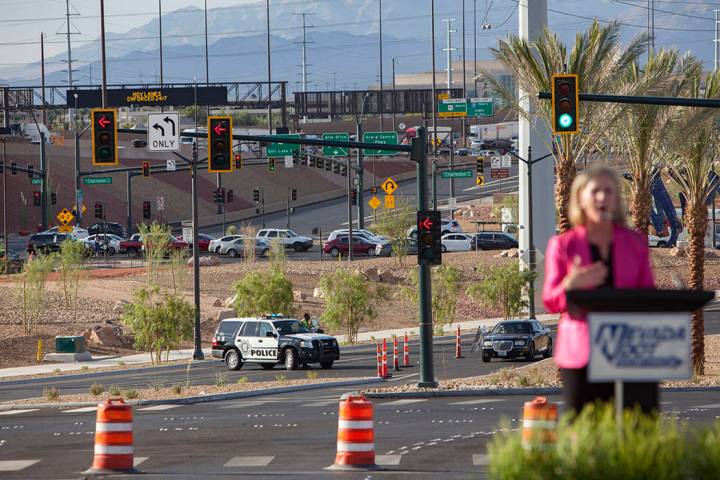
{"points": [[231, 230], [264, 292], [220, 379], [249, 232], [394, 224], [56, 370], [115, 390], [131, 394], [177, 389], [51, 393], [348, 301], [313, 375], [34, 291], [70, 260], [156, 384], [243, 380], [504, 286], [280, 378], [121, 364], [84, 368], [445, 289], [156, 243], [96, 389]]}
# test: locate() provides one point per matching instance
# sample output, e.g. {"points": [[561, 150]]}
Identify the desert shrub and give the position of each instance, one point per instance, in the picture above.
{"points": [[503, 286]]}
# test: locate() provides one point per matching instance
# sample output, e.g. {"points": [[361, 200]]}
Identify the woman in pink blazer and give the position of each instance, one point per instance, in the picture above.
{"points": [[599, 252]]}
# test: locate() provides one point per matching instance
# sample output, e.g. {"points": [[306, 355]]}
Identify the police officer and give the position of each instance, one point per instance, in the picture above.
{"points": [[306, 321]]}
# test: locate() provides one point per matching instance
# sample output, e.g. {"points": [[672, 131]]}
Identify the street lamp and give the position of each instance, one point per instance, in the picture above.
{"points": [[360, 159]]}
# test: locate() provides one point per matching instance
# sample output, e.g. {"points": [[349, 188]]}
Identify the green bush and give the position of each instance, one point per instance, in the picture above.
{"points": [[70, 260], [394, 223], [51, 393], [260, 293], [504, 286], [348, 301], [131, 394], [445, 289], [96, 389], [589, 446], [177, 389], [115, 390]]}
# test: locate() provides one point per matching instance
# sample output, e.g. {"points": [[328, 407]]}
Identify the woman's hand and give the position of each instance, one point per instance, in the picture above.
{"points": [[583, 277]]}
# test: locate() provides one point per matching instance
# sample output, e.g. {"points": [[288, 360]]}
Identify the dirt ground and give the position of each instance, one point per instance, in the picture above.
{"points": [[103, 295]]}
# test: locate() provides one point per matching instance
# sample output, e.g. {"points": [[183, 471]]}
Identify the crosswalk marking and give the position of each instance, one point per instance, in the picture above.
{"points": [[249, 461], [15, 412], [476, 402], [388, 459], [407, 401], [16, 465], [81, 410], [138, 460], [243, 405], [158, 408], [481, 459]]}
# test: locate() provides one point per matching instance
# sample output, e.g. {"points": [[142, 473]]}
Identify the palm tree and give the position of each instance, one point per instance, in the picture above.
{"points": [[642, 131], [600, 62], [696, 147]]}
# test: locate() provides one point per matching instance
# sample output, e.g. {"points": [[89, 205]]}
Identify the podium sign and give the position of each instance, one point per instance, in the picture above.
{"points": [[641, 347]]}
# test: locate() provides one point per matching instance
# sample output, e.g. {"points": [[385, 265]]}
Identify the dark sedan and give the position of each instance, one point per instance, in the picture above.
{"points": [[517, 338], [386, 249], [494, 241]]}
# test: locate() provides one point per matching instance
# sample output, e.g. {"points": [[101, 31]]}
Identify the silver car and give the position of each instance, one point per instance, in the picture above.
{"points": [[215, 245], [236, 248]]}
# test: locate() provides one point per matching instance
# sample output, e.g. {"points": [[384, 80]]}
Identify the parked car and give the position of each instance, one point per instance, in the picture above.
{"points": [[517, 338], [107, 242], [203, 241], [76, 232], [215, 245], [15, 263], [107, 227], [134, 245], [494, 241], [286, 237], [367, 234], [658, 242], [47, 242], [448, 225], [341, 246], [386, 249], [462, 152], [236, 248], [456, 242]]}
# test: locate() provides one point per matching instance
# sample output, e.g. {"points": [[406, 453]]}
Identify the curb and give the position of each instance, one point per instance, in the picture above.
{"points": [[205, 398]]}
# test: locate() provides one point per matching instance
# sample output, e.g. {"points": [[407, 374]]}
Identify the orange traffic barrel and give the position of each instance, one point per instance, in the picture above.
{"points": [[539, 423], [356, 434], [113, 438]]}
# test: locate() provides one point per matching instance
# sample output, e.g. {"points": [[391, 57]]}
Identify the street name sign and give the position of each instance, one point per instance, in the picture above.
{"points": [[481, 107], [97, 180], [387, 138], [35, 181], [456, 174], [279, 149], [336, 151], [453, 107], [163, 132]]}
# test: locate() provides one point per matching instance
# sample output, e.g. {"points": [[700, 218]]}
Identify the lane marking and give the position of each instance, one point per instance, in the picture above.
{"points": [[15, 412], [407, 401], [158, 408], [481, 459], [242, 405], [138, 460], [81, 410], [476, 402], [322, 404], [249, 461], [711, 405], [16, 465], [388, 460]]}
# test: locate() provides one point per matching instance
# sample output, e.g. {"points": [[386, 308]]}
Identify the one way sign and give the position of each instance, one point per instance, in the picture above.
{"points": [[163, 132]]}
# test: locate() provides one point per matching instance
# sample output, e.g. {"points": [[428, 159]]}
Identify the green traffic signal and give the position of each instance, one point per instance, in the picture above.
{"points": [[565, 120]]}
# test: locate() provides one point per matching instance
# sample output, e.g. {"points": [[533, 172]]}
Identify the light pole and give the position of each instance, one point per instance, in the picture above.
{"points": [[381, 100], [360, 162], [267, 15], [394, 105], [434, 103], [5, 238]]}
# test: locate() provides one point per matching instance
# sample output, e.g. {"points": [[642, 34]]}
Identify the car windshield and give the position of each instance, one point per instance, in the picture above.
{"points": [[288, 327], [513, 327]]}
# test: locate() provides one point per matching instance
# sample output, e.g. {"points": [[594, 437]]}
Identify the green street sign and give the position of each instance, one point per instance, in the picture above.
{"points": [[336, 151], [481, 107], [97, 180], [35, 181], [387, 138], [453, 107], [275, 150], [457, 174]]}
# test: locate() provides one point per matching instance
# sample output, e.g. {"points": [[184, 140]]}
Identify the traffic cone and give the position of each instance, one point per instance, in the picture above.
{"points": [[113, 439], [356, 435], [385, 373], [406, 352], [539, 424], [379, 361], [396, 357], [458, 345]]}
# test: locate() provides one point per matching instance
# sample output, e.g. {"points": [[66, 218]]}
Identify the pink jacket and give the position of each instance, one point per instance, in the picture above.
{"points": [[631, 269]]}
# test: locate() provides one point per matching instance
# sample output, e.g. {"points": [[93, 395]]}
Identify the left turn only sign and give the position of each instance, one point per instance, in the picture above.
{"points": [[163, 132]]}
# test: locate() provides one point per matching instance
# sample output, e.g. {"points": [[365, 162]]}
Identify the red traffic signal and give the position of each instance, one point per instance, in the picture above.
{"points": [[104, 137], [220, 157], [37, 198], [429, 237], [146, 169]]}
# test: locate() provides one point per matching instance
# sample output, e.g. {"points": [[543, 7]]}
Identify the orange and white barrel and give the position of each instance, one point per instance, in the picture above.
{"points": [[406, 352], [113, 438], [458, 344], [379, 361], [356, 434], [539, 428], [396, 355]]}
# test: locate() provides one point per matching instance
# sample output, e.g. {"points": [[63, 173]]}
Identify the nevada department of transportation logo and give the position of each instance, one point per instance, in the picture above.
{"points": [[245, 347], [624, 345]]}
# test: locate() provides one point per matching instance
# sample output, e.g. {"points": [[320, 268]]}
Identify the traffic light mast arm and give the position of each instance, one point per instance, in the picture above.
{"points": [[36, 172], [534, 161], [643, 100]]}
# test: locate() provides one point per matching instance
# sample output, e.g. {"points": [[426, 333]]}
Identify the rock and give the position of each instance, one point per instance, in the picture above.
{"points": [[503, 254], [387, 276], [710, 254], [107, 337], [230, 301], [318, 293], [217, 303], [371, 274], [678, 251], [299, 296], [513, 253], [225, 313], [189, 262]]}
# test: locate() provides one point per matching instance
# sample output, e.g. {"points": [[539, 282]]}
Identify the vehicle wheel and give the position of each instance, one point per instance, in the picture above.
{"points": [[486, 358], [371, 252], [444, 249], [298, 247], [132, 253], [334, 252], [268, 366], [530, 356], [548, 351], [662, 244], [265, 253], [291, 359], [111, 251], [232, 253], [327, 365], [233, 360]]}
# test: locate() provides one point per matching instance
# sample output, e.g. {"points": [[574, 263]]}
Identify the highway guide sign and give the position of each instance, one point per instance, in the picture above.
{"points": [[336, 151], [641, 347], [455, 107], [275, 150], [163, 132], [380, 137]]}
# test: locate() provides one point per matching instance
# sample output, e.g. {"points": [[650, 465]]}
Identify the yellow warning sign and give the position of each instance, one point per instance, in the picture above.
{"points": [[389, 201], [65, 228], [480, 180], [389, 186], [374, 202], [65, 216]]}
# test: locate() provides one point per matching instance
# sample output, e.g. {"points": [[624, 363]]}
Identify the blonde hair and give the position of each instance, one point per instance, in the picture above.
{"points": [[575, 212]]}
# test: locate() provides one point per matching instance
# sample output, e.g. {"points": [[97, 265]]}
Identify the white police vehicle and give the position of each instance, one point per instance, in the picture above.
{"points": [[271, 340]]}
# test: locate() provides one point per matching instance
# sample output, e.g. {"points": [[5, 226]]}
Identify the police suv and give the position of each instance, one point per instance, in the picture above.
{"points": [[271, 340]]}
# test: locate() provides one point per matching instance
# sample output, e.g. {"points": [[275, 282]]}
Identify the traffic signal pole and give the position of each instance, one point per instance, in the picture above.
{"points": [[45, 212], [197, 353]]}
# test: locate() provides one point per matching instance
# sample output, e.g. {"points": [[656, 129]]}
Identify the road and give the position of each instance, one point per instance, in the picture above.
{"points": [[290, 436]]}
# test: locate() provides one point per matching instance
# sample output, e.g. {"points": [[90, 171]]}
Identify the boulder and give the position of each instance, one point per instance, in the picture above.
{"points": [[299, 296], [513, 253], [371, 274], [503, 254], [217, 303], [107, 337], [678, 251], [387, 276], [318, 293]]}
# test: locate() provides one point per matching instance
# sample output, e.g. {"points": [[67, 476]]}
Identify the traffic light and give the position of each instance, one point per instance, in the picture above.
{"points": [[99, 210], [30, 171], [219, 195], [104, 137], [271, 165], [220, 144], [146, 210], [238, 161], [256, 195], [480, 166], [230, 196], [37, 198], [328, 165], [343, 170], [429, 237], [13, 168], [565, 103], [53, 198], [312, 162], [320, 163], [336, 168], [293, 194], [146, 169], [353, 195]]}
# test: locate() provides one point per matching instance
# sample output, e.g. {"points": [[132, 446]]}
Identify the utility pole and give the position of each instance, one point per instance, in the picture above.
{"points": [[394, 104], [102, 53], [5, 237], [42, 77], [69, 51], [78, 207], [381, 101], [449, 51], [464, 79], [197, 353], [160, 39], [475, 72], [434, 98], [269, 68], [349, 203], [207, 58], [304, 64], [716, 40]]}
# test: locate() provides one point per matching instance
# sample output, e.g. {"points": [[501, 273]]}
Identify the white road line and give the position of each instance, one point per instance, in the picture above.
{"points": [[407, 401], [80, 410], [403, 377], [138, 460], [16, 465], [158, 408], [480, 459], [476, 402], [249, 461], [324, 403], [711, 405], [243, 405], [15, 412], [389, 460]]}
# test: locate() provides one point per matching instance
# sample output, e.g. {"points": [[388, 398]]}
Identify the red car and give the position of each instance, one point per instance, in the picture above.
{"points": [[203, 243], [134, 245], [339, 246]]}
